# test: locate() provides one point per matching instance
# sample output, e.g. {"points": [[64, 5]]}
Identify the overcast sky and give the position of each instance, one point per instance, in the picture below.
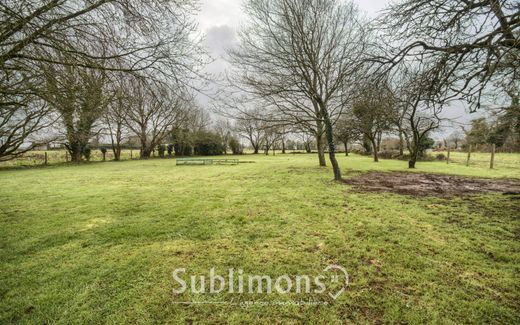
{"points": [[220, 19]]}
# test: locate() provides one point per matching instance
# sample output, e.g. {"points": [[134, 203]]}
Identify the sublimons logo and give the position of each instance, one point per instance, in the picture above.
{"points": [[332, 281]]}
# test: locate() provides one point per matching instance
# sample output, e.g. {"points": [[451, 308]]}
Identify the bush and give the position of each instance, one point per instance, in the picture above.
{"points": [[440, 157], [87, 152], [428, 158], [208, 144], [236, 147], [389, 154], [182, 140], [361, 152], [183, 149], [170, 149], [161, 149], [103, 152]]}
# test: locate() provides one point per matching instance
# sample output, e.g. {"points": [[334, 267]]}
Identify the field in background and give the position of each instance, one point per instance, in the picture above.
{"points": [[97, 243], [55, 157], [482, 160]]}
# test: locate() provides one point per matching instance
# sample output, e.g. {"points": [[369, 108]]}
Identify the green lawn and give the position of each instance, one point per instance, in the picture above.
{"points": [[97, 243]]}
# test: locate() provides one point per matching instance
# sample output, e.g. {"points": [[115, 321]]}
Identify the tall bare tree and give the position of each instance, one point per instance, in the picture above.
{"points": [[79, 96], [299, 57], [347, 130], [373, 111], [155, 111], [420, 103], [250, 127], [115, 115]]}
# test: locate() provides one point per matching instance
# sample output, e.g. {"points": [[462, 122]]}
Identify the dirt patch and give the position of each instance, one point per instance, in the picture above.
{"points": [[431, 184]]}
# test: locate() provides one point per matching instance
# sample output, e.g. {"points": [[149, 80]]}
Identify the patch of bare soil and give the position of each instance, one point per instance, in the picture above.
{"points": [[432, 184]]}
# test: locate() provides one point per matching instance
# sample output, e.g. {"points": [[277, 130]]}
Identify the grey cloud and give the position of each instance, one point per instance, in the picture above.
{"points": [[219, 39]]}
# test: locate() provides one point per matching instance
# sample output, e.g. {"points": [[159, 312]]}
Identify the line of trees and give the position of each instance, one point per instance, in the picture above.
{"points": [[307, 73], [320, 66], [70, 71]]}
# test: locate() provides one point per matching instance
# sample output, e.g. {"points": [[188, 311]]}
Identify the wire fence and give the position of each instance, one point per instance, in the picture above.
{"points": [[56, 157]]}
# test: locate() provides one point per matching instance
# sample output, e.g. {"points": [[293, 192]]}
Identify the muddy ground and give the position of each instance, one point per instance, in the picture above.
{"points": [[432, 184]]}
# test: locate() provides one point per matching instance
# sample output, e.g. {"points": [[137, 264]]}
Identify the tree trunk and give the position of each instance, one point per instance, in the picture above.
{"points": [[346, 148], [401, 143], [117, 153], [145, 153], [330, 140], [374, 149], [414, 155], [146, 150], [283, 146], [492, 162], [76, 151], [469, 155], [319, 144], [321, 151]]}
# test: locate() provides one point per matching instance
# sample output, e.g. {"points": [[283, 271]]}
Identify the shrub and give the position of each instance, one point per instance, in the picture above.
{"points": [[236, 147], [103, 152], [426, 143], [208, 144], [440, 157], [428, 158], [170, 149], [161, 149], [389, 154], [182, 140], [361, 152], [183, 149], [87, 152]]}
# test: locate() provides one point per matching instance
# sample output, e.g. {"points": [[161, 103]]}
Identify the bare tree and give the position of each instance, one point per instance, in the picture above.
{"points": [[373, 111], [115, 115], [273, 134], [250, 127], [421, 103], [477, 41], [347, 130], [20, 124], [79, 96], [224, 129], [306, 139], [299, 57], [155, 112], [456, 137]]}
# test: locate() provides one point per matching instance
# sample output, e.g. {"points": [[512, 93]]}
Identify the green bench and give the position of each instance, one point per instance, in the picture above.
{"points": [[206, 161]]}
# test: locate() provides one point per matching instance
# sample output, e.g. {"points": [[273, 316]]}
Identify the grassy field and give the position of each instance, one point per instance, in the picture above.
{"points": [[97, 243]]}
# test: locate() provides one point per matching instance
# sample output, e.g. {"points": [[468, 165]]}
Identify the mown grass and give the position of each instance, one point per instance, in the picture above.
{"points": [[97, 243]]}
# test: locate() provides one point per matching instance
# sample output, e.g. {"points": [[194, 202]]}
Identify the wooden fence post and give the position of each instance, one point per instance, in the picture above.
{"points": [[492, 162], [469, 155]]}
